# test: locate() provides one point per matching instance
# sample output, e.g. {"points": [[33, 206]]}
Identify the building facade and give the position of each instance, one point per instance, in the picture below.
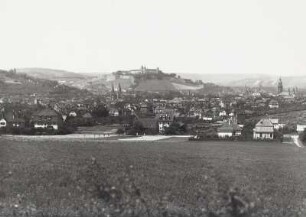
{"points": [[264, 129]]}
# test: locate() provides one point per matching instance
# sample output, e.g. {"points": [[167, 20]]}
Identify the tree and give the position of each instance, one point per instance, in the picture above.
{"points": [[120, 131], [137, 128], [302, 136], [100, 111], [247, 131], [176, 129]]}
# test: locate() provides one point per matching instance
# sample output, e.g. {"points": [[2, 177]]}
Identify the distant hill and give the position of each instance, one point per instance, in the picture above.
{"points": [[153, 80], [155, 85], [50, 74], [13, 83], [63, 77], [251, 80]]}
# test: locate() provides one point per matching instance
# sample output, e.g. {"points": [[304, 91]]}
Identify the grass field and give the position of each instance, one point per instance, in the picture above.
{"points": [[164, 178]]}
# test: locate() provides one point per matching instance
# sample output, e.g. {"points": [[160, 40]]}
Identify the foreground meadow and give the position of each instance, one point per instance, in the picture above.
{"points": [[164, 178]]}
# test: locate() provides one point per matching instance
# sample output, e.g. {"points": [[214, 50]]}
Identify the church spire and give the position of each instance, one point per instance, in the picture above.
{"points": [[119, 88], [280, 85], [113, 89]]}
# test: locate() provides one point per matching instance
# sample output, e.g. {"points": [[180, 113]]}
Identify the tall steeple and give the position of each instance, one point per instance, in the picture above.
{"points": [[280, 85], [119, 88], [119, 91], [113, 89], [113, 92]]}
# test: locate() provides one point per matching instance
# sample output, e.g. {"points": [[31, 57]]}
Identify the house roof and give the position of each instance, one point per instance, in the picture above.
{"points": [[87, 115], [229, 128], [284, 93], [176, 100], [264, 126], [47, 112], [273, 102], [302, 122], [8, 116], [47, 116], [264, 123]]}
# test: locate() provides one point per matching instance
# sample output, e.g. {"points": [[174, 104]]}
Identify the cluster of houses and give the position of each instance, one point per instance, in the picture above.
{"points": [[43, 119], [264, 130], [226, 113]]}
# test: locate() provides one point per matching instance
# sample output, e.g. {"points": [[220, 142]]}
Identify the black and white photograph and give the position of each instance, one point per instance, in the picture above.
{"points": [[152, 108]]}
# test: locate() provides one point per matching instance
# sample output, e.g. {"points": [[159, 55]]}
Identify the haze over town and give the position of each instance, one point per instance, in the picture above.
{"points": [[206, 37]]}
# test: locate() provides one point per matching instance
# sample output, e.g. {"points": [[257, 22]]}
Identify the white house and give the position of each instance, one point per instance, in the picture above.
{"points": [[207, 118], [164, 120], [72, 114], [264, 129], [222, 113], [114, 112], [273, 104], [300, 127], [47, 118], [3, 123], [276, 124], [256, 94]]}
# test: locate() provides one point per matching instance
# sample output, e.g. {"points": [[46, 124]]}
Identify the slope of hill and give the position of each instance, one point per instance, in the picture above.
{"points": [[12, 83], [73, 79], [152, 82], [155, 85], [266, 81], [103, 83], [50, 74]]}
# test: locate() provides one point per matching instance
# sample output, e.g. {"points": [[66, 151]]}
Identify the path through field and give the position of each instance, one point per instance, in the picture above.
{"points": [[297, 141]]}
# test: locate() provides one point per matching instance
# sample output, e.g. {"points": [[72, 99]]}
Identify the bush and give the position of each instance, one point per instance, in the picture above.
{"points": [[66, 130], [137, 128], [302, 136], [176, 129], [120, 131], [247, 131], [208, 134]]}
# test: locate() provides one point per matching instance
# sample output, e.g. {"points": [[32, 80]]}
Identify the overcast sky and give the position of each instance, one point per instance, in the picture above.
{"points": [[190, 36]]}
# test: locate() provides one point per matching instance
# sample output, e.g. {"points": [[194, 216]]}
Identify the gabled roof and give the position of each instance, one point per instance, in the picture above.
{"points": [[176, 100], [8, 116], [264, 126], [301, 122], [87, 115], [273, 102], [47, 116], [264, 123], [284, 93], [47, 112]]}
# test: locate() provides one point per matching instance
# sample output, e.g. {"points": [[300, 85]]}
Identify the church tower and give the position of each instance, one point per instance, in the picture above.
{"points": [[113, 92], [119, 91], [280, 86]]}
